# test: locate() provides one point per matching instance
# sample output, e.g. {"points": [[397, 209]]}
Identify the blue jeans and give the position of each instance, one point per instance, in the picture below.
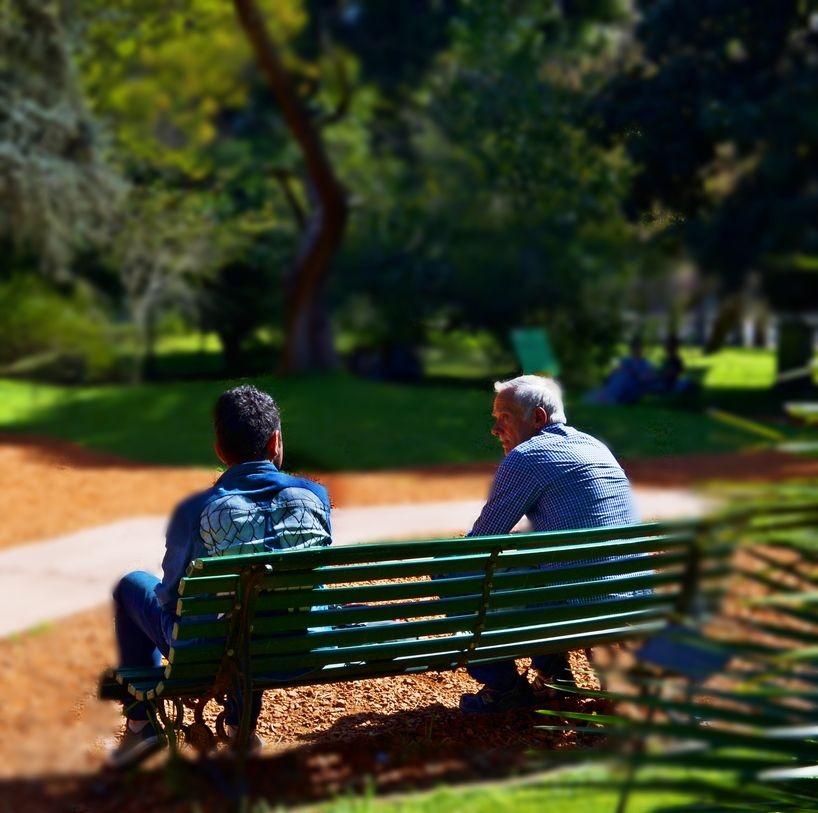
{"points": [[143, 630], [502, 675]]}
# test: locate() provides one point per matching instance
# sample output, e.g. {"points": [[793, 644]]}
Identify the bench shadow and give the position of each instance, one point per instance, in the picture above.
{"points": [[368, 752]]}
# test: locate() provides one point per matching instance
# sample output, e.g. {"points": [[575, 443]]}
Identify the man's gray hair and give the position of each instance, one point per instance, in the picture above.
{"points": [[531, 391]]}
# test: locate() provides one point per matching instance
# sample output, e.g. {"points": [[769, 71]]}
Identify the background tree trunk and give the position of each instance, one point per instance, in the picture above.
{"points": [[794, 354], [306, 327]]}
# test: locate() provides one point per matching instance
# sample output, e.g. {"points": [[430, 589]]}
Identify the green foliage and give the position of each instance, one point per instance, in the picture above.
{"points": [[57, 193], [219, 199], [235, 300], [395, 42], [505, 214], [460, 129], [163, 72], [54, 335], [719, 115], [744, 735]]}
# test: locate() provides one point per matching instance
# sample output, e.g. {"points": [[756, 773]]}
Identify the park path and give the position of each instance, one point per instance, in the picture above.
{"points": [[76, 519], [44, 581]]}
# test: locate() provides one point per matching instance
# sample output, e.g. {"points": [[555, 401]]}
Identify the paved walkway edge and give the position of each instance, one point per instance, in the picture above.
{"points": [[45, 581]]}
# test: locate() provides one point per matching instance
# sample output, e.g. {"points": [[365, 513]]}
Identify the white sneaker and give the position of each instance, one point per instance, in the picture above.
{"points": [[134, 747]]}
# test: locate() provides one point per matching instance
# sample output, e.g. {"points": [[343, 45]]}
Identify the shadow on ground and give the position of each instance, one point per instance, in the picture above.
{"points": [[372, 760]]}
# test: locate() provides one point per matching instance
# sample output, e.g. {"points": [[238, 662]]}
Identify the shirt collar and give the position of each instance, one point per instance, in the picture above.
{"points": [[249, 469], [557, 426]]}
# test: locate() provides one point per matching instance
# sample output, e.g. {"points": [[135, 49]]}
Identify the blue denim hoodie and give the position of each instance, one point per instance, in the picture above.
{"points": [[252, 507]]}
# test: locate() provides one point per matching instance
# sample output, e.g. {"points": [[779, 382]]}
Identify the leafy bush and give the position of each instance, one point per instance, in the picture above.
{"points": [[742, 728], [52, 336]]}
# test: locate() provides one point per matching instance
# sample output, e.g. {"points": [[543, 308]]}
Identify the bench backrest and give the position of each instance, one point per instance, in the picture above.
{"points": [[375, 609]]}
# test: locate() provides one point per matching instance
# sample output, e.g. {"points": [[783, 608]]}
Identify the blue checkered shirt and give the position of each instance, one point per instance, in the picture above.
{"points": [[560, 479]]}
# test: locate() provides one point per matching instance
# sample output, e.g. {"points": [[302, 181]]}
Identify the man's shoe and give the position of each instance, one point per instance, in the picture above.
{"points": [[492, 701], [541, 684], [135, 747]]}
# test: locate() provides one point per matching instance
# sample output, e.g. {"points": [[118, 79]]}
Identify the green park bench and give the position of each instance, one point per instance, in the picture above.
{"points": [[290, 618]]}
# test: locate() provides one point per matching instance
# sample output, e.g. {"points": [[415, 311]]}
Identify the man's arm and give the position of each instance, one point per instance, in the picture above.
{"points": [[514, 491], [178, 555]]}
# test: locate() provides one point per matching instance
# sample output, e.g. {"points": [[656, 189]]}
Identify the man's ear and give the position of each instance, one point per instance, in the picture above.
{"points": [[275, 448], [220, 454], [540, 417]]}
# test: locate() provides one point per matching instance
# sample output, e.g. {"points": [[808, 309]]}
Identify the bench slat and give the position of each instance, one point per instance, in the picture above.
{"points": [[292, 648], [349, 554], [208, 584], [560, 592], [361, 614], [549, 585], [496, 645], [506, 619], [575, 570], [269, 673], [333, 616], [577, 555]]}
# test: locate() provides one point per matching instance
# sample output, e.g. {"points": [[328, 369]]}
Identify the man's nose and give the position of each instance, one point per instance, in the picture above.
{"points": [[495, 430]]}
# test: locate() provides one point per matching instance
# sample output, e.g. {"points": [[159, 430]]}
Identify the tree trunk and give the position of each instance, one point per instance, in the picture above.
{"points": [[794, 353], [231, 352], [326, 222], [727, 319]]}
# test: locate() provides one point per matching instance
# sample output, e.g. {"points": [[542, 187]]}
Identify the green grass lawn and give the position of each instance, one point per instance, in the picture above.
{"points": [[337, 422], [733, 368], [584, 790]]}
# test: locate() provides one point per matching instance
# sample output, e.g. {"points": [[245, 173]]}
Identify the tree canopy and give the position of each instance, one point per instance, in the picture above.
{"points": [[430, 164], [717, 109], [56, 188]]}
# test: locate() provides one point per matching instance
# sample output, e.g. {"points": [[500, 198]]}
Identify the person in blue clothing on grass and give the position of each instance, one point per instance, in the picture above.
{"points": [[252, 507], [560, 479]]}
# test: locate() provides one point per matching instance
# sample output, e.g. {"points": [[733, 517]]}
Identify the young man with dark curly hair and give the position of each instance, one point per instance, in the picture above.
{"points": [[252, 507]]}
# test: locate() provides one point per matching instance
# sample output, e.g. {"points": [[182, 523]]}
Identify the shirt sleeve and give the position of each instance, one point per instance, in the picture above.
{"points": [[178, 555], [324, 497], [513, 492]]}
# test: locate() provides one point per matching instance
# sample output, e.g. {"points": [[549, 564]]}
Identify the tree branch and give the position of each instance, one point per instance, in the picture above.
{"points": [[342, 107], [284, 178]]}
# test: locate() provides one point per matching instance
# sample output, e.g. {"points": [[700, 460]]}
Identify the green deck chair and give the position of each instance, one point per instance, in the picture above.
{"points": [[534, 351]]}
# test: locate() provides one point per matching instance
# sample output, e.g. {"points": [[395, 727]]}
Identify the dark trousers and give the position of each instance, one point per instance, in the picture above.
{"points": [[502, 675], [142, 633]]}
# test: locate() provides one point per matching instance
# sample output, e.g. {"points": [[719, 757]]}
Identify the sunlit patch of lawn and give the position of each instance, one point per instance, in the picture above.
{"points": [[337, 422]]}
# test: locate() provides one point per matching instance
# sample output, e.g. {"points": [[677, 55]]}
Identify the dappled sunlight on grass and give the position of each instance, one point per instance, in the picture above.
{"points": [[734, 368], [338, 422]]}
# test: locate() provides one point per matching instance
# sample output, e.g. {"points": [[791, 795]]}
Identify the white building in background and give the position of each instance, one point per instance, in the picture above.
{"points": [[754, 330]]}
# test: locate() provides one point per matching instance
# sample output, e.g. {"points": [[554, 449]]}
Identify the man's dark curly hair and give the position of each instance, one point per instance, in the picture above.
{"points": [[244, 419]]}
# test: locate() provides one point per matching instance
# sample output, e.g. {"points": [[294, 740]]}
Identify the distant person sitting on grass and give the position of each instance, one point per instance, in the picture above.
{"points": [[670, 378], [560, 479], [252, 507], [633, 377]]}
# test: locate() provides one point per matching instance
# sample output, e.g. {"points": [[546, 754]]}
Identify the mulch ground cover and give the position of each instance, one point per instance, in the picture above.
{"points": [[387, 734]]}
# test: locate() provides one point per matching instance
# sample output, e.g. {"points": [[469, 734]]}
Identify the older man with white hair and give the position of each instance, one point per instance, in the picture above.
{"points": [[557, 477]]}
